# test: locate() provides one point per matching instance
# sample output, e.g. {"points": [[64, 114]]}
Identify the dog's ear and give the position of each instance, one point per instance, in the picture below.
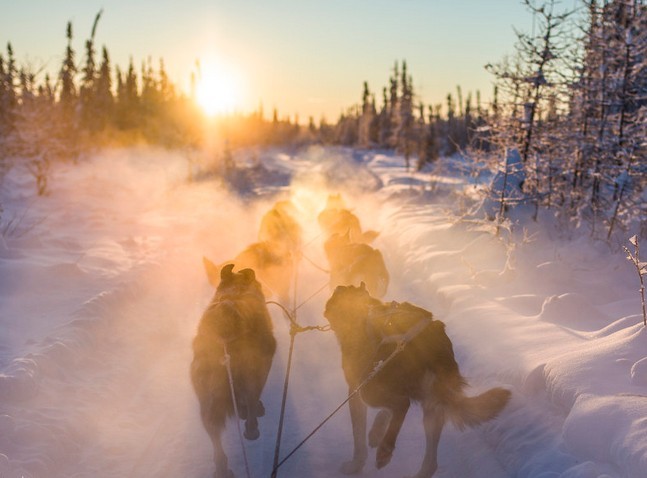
{"points": [[369, 236], [212, 271], [249, 274], [227, 272]]}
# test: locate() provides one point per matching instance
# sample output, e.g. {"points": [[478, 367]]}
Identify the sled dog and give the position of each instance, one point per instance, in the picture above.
{"points": [[351, 264], [279, 227], [274, 267], [236, 318], [337, 219], [424, 371]]}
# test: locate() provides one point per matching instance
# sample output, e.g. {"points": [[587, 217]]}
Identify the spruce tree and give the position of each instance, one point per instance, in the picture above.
{"points": [[374, 128], [88, 83], [4, 109], [104, 99], [67, 97], [8, 94], [394, 108], [166, 87], [405, 139], [128, 113], [451, 133], [384, 121], [366, 118]]}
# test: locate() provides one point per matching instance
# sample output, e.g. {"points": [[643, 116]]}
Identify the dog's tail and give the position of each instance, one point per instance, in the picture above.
{"points": [[466, 411]]}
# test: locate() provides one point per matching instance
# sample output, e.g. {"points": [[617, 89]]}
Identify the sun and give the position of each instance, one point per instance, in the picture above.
{"points": [[218, 89]]}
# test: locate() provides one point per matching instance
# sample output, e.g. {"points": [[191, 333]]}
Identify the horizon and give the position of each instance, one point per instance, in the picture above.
{"points": [[283, 56]]}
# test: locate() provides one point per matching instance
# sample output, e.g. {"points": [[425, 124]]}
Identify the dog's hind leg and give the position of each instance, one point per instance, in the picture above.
{"points": [[251, 428], [241, 404], [399, 407], [219, 456], [251, 405], [379, 428], [358, 422], [253, 393], [222, 468], [433, 422]]}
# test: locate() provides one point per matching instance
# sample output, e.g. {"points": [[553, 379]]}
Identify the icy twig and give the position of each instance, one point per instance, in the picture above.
{"points": [[641, 268]]}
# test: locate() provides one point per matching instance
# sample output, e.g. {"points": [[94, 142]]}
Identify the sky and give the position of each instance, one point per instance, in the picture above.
{"points": [[302, 57]]}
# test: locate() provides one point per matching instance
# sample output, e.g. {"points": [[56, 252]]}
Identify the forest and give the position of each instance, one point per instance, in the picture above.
{"points": [[565, 124]]}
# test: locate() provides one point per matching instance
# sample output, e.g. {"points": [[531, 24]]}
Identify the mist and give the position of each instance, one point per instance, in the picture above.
{"points": [[103, 285], [123, 234]]}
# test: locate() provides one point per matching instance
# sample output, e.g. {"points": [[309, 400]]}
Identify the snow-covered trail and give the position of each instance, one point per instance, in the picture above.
{"points": [[101, 309], [94, 370]]}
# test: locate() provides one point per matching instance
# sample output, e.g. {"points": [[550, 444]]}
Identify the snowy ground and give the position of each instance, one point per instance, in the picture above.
{"points": [[101, 288]]}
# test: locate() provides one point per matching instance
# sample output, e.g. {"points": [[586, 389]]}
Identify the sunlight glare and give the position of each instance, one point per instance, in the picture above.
{"points": [[218, 90]]}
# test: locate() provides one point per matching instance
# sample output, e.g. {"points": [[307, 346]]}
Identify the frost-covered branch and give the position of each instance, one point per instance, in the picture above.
{"points": [[641, 268]]}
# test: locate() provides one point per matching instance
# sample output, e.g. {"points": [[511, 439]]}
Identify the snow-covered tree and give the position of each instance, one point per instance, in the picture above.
{"points": [[367, 119], [530, 83]]}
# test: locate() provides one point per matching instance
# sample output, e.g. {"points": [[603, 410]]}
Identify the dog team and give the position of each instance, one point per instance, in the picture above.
{"points": [[235, 345]]}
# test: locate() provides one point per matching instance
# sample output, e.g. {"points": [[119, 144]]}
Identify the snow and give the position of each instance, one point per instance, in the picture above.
{"points": [[101, 288]]}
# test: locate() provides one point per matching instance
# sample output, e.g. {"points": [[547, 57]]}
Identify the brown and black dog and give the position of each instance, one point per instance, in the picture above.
{"points": [[274, 267], [279, 227], [424, 371], [274, 257], [337, 219], [352, 263], [236, 319]]}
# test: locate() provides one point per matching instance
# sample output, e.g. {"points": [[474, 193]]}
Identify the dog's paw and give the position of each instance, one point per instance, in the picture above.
{"points": [[352, 467], [251, 433], [383, 455], [226, 473]]}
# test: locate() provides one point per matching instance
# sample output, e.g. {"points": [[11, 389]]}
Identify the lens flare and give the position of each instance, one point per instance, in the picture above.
{"points": [[219, 88]]}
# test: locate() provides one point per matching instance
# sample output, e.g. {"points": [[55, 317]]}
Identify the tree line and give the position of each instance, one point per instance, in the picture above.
{"points": [[419, 132], [92, 103], [570, 102]]}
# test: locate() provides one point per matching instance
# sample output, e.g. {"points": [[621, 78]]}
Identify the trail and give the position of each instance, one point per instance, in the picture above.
{"points": [[102, 389]]}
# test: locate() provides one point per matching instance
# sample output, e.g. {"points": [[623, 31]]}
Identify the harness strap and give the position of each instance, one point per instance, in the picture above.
{"points": [[378, 366], [295, 328], [409, 335], [315, 265], [401, 341]]}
